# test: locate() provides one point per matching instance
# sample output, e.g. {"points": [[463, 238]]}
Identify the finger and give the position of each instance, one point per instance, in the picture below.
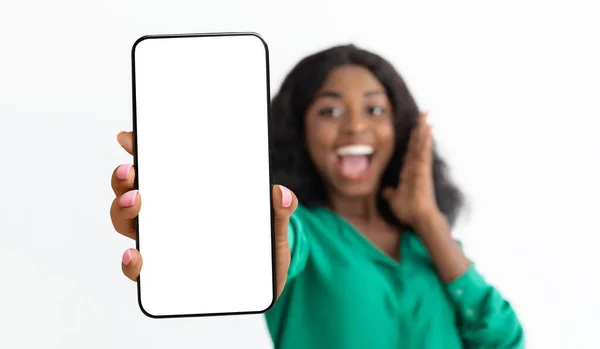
{"points": [[419, 149], [427, 142], [412, 153], [123, 211], [421, 131], [413, 143], [409, 159], [424, 161], [125, 139], [424, 139], [415, 135], [131, 264], [284, 204], [122, 179]]}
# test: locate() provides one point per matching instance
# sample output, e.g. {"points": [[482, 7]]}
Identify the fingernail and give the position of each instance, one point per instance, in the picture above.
{"points": [[128, 199], [127, 257], [123, 171], [286, 196]]}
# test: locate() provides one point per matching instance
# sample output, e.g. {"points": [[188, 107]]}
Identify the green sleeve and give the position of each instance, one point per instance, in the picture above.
{"points": [[485, 318], [298, 242]]}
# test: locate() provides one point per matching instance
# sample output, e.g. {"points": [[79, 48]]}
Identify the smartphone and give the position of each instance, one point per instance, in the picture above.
{"points": [[201, 156]]}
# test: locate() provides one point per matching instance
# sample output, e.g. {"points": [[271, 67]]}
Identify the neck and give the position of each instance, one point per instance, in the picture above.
{"points": [[363, 208]]}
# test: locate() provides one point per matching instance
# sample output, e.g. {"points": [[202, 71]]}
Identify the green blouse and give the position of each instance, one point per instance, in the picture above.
{"points": [[343, 292]]}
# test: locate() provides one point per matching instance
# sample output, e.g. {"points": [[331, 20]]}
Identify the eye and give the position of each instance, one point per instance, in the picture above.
{"points": [[330, 112], [375, 111]]}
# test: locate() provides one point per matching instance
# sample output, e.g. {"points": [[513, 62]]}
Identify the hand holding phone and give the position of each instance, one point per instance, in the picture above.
{"points": [[201, 154]]}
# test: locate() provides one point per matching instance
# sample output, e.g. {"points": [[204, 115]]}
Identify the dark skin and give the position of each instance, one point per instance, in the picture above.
{"points": [[351, 107]]}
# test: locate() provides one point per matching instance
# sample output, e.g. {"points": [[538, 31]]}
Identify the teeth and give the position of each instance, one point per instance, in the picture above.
{"points": [[357, 149]]}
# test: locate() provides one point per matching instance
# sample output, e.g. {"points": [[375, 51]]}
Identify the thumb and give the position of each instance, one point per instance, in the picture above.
{"points": [[388, 193], [284, 205]]}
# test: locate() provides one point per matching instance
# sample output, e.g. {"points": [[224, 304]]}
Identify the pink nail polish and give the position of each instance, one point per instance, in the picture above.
{"points": [[128, 199], [123, 171], [127, 257], [286, 196]]}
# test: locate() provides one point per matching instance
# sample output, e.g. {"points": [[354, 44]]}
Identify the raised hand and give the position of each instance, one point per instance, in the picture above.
{"points": [[413, 201]]}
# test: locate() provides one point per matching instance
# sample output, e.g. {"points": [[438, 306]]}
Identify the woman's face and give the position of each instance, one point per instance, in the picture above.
{"points": [[349, 131]]}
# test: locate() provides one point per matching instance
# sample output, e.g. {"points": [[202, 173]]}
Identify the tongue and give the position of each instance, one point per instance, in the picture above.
{"points": [[353, 166]]}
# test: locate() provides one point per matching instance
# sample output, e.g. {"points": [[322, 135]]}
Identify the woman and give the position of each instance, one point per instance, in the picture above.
{"points": [[365, 256]]}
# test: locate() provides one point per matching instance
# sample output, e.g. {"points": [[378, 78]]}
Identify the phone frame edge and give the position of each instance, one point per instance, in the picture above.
{"points": [[136, 166]]}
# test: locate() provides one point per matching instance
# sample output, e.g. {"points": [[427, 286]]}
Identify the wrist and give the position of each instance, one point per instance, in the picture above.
{"points": [[432, 224], [446, 253]]}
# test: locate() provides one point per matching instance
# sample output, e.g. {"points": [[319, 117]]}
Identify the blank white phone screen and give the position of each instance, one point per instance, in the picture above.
{"points": [[202, 166]]}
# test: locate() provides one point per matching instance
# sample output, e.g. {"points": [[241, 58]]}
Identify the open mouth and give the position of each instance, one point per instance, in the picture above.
{"points": [[354, 161]]}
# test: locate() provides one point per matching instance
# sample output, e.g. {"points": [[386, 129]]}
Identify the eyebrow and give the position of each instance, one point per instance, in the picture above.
{"points": [[333, 94], [373, 93]]}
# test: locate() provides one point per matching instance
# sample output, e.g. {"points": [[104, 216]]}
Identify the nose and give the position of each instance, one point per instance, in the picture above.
{"points": [[354, 123]]}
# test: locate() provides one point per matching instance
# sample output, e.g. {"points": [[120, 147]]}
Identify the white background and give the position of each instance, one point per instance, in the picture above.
{"points": [[512, 89]]}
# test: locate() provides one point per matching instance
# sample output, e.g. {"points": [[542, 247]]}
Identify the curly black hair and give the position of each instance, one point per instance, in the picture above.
{"points": [[291, 163]]}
